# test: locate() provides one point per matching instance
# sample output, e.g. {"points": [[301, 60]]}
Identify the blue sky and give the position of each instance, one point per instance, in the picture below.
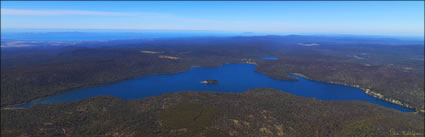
{"points": [[355, 17]]}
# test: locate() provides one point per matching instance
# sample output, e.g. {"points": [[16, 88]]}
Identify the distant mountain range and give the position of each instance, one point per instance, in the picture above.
{"points": [[113, 35], [28, 39]]}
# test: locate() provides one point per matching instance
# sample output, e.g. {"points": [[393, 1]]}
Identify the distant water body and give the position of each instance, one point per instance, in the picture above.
{"points": [[270, 58], [232, 78]]}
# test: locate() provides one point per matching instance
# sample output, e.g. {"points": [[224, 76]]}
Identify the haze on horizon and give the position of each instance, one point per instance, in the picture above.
{"points": [[306, 17]]}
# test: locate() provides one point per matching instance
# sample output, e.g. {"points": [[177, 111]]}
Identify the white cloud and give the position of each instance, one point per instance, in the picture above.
{"points": [[60, 12]]}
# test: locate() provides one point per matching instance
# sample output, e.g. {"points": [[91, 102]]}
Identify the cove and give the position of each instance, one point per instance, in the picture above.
{"points": [[232, 77]]}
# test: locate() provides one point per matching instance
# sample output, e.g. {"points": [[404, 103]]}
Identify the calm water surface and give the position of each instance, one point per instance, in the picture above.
{"points": [[270, 58], [232, 77]]}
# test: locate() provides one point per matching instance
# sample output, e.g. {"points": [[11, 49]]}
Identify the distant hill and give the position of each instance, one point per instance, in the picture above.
{"points": [[53, 38]]}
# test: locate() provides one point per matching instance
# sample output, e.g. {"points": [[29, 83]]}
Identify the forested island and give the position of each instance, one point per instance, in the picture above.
{"points": [[210, 81]]}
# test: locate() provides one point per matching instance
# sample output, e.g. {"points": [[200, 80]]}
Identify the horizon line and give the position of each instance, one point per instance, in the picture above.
{"points": [[89, 30]]}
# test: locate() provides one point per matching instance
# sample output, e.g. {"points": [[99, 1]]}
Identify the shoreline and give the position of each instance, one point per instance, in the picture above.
{"points": [[369, 92], [380, 96]]}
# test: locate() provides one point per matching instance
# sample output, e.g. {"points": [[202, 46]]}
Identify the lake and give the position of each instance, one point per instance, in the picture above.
{"points": [[232, 78], [270, 58]]}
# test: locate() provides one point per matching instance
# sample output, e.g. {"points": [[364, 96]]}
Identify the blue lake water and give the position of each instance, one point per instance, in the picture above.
{"points": [[270, 58], [232, 78]]}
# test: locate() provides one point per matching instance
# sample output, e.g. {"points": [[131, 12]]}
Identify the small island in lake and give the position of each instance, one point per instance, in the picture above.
{"points": [[210, 81]]}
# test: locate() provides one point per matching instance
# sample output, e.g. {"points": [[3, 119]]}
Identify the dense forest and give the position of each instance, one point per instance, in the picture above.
{"points": [[389, 67], [257, 112]]}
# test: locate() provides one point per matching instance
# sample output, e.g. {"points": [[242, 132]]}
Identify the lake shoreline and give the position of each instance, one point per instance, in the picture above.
{"points": [[368, 92], [297, 74]]}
